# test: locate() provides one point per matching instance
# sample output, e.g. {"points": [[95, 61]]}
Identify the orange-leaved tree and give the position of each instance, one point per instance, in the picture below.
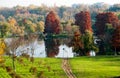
{"points": [[77, 43]]}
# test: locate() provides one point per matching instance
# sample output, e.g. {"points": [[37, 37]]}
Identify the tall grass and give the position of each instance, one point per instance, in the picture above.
{"points": [[41, 68]]}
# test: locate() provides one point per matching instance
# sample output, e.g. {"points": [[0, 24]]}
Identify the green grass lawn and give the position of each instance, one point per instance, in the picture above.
{"points": [[82, 67], [96, 67], [49, 67]]}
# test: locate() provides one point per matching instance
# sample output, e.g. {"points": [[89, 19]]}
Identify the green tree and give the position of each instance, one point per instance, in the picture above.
{"points": [[88, 42], [119, 16], [109, 29], [4, 29], [30, 27]]}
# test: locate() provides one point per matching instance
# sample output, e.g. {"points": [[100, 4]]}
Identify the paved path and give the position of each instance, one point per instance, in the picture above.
{"points": [[66, 68]]}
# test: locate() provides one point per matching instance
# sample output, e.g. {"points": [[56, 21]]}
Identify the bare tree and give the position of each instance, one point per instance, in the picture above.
{"points": [[32, 43], [13, 46]]}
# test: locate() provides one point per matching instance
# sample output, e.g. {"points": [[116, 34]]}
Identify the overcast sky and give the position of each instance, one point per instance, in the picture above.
{"points": [[11, 3]]}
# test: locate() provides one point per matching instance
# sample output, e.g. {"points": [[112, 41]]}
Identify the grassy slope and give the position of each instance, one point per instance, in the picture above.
{"points": [[96, 67], [41, 64]]}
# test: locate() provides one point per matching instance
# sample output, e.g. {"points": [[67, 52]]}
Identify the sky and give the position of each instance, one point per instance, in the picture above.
{"points": [[11, 3]]}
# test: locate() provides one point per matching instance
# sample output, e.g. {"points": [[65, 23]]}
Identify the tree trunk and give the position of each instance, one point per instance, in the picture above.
{"points": [[88, 53], [115, 52]]}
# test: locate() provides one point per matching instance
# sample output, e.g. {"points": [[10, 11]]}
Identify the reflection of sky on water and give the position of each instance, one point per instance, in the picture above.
{"points": [[39, 47], [66, 52], [40, 50]]}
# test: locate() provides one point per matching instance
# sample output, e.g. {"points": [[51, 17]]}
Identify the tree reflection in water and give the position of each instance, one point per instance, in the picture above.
{"points": [[52, 45]]}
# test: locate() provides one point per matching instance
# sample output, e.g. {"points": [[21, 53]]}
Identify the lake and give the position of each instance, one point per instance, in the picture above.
{"points": [[58, 48]]}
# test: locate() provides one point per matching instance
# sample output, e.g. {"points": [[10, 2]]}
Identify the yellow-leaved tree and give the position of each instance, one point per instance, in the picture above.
{"points": [[2, 49]]}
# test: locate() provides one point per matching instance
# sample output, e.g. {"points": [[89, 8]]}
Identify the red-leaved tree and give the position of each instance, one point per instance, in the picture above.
{"points": [[83, 20], [105, 24], [116, 39], [105, 18], [52, 23]]}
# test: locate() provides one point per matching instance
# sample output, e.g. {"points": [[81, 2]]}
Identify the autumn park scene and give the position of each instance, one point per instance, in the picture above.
{"points": [[59, 39]]}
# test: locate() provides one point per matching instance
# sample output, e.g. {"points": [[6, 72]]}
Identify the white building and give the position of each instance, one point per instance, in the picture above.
{"points": [[65, 52]]}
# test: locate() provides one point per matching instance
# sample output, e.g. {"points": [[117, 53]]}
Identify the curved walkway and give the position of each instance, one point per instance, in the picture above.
{"points": [[66, 68]]}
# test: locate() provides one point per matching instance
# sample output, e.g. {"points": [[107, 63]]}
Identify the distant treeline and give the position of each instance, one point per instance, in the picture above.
{"points": [[64, 12]]}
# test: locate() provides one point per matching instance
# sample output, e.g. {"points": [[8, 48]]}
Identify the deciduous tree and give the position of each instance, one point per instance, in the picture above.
{"points": [[30, 27], [109, 29], [52, 23], [32, 43], [116, 39], [83, 20], [105, 18], [2, 49], [13, 46], [77, 43], [4, 29], [105, 23], [88, 42], [40, 26]]}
